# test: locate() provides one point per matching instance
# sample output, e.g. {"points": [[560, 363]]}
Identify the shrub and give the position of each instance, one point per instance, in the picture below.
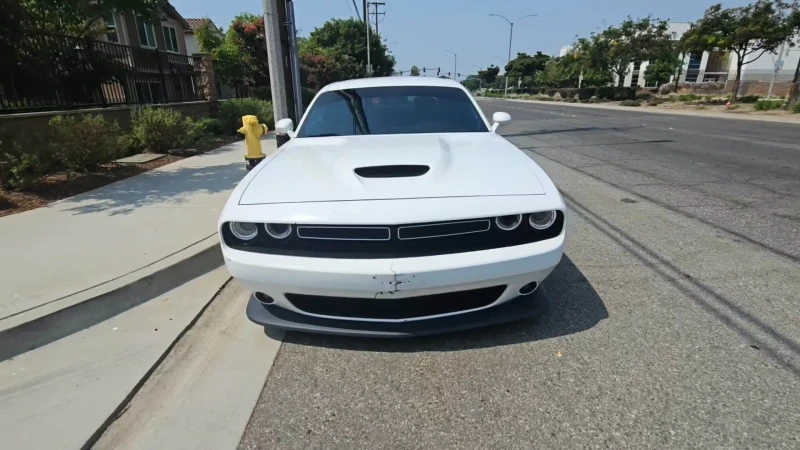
{"points": [[525, 96], [160, 129], [656, 101], [605, 92], [231, 112], [748, 99], [569, 100], [209, 125], [767, 105], [200, 132], [688, 97], [586, 93], [550, 92], [19, 169], [568, 92], [796, 108], [544, 98], [82, 144], [630, 103], [644, 96]]}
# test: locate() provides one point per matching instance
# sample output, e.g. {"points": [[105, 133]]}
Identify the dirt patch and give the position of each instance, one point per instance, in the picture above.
{"points": [[61, 185]]}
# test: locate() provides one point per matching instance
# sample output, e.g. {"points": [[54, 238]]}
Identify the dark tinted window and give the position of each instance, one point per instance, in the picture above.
{"points": [[392, 110]]}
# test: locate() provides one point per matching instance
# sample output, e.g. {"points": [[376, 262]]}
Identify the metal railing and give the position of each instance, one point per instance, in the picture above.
{"points": [[48, 72]]}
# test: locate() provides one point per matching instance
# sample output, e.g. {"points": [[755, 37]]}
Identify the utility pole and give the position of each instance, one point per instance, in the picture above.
{"points": [[455, 64], [275, 59], [366, 23], [377, 5], [510, 36], [777, 68], [294, 59]]}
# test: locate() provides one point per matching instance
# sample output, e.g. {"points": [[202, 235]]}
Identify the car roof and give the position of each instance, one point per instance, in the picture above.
{"points": [[391, 81]]}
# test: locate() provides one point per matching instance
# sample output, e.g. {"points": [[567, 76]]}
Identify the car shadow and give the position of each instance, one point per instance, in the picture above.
{"points": [[572, 306]]}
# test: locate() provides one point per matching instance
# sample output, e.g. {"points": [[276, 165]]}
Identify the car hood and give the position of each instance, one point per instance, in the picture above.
{"points": [[454, 165]]}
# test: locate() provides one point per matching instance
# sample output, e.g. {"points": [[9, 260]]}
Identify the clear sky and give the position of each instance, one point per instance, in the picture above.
{"points": [[418, 31]]}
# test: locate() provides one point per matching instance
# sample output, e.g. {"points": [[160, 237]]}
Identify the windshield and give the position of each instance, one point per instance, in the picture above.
{"points": [[392, 110]]}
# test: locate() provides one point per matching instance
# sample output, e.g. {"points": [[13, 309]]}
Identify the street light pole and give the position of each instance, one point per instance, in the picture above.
{"points": [[455, 65], [510, 37]]}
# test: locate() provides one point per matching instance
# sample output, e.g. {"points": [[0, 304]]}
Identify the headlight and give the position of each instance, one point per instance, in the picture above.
{"points": [[542, 220], [278, 230], [245, 231], [508, 223]]}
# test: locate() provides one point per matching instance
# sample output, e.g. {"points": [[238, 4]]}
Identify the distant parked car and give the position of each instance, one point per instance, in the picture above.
{"points": [[395, 209]]}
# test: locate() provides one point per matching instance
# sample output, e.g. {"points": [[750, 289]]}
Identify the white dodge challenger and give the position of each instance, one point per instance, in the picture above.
{"points": [[394, 210]]}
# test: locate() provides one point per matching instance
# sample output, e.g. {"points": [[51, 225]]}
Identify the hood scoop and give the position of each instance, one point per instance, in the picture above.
{"points": [[396, 171]]}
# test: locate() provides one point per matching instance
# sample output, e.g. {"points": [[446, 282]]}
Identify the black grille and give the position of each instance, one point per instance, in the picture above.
{"points": [[396, 308], [345, 233], [451, 237], [443, 229]]}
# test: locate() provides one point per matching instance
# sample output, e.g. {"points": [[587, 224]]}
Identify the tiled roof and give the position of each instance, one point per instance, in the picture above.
{"points": [[196, 24]]}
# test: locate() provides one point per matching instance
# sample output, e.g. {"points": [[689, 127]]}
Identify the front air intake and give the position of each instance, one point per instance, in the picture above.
{"points": [[392, 171]]}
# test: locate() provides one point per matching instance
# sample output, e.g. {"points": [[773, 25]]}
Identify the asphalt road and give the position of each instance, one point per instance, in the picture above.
{"points": [[673, 318]]}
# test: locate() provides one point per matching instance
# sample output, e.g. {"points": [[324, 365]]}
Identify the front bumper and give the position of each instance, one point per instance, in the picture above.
{"points": [[517, 309]]}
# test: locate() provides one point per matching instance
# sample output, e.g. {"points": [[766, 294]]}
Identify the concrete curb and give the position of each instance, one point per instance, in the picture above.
{"points": [[60, 319], [125, 403], [713, 115]]}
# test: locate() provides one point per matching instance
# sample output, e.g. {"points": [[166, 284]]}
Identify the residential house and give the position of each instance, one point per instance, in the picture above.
{"points": [[164, 31], [190, 36], [138, 60]]}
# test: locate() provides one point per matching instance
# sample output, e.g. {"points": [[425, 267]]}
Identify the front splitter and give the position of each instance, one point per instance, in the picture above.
{"points": [[517, 309]]}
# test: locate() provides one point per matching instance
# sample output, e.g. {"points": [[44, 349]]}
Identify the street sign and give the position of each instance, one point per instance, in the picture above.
{"points": [[779, 65]]}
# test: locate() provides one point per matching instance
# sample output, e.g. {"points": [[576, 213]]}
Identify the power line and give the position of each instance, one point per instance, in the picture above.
{"points": [[358, 13], [377, 13]]}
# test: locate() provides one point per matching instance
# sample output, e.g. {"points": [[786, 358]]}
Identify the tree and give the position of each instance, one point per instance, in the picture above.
{"points": [[525, 65], [323, 68], [414, 71], [248, 43], [617, 47], [80, 17], [347, 37], [663, 67], [489, 75], [472, 83], [747, 31], [587, 57]]}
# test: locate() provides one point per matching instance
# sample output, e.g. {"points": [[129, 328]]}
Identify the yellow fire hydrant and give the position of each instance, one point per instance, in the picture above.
{"points": [[252, 131]]}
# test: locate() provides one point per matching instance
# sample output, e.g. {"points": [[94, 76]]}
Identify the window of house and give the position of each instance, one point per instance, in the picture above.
{"points": [[170, 39], [111, 28], [147, 34]]}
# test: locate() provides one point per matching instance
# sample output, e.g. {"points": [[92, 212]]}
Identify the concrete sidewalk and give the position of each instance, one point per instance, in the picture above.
{"points": [[84, 246]]}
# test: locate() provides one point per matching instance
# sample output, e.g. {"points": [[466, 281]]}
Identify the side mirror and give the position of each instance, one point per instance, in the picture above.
{"points": [[500, 118], [285, 126]]}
